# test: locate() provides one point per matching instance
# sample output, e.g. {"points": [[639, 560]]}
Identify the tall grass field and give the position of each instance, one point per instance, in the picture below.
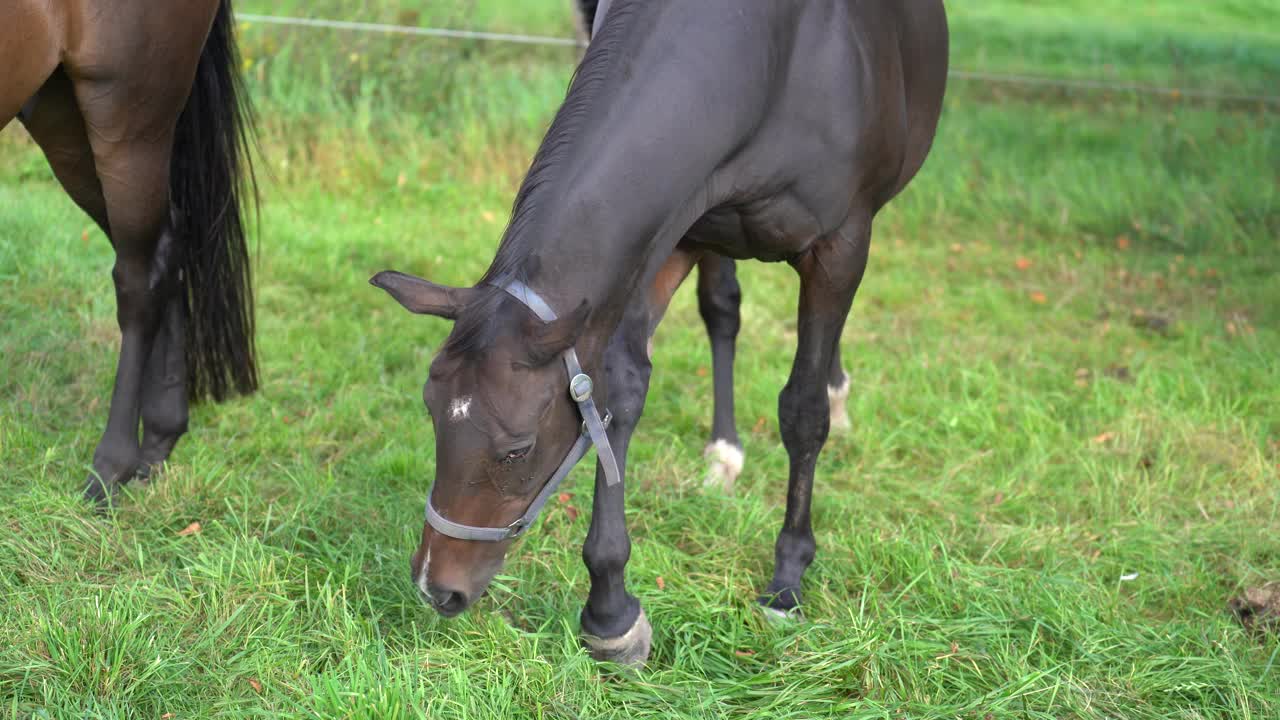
{"points": [[1063, 467]]}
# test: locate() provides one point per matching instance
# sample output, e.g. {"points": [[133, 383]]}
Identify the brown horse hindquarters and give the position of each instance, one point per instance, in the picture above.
{"points": [[137, 108], [30, 46]]}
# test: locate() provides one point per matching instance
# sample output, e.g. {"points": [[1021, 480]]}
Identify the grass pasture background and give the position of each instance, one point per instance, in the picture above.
{"points": [[1066, 370]]}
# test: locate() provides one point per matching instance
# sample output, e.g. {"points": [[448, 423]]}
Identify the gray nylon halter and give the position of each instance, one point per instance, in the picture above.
{"points": [[593, 431]]}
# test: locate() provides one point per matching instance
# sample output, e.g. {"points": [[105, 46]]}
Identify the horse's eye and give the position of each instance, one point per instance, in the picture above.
{"points": [[516, 455]]}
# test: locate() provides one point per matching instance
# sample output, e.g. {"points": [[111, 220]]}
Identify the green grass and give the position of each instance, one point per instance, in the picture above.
{"points": [[1002, 475], [1228, 46]]}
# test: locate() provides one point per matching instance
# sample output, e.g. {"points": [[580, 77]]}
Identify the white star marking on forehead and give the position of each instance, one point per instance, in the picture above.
{"points": [[460, 408]]}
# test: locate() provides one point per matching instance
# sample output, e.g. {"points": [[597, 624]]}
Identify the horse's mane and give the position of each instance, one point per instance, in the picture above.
{"points": [[475, 328]]}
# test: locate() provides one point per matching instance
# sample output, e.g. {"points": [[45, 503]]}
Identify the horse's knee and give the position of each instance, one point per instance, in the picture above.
{"points": [[627, 368]]}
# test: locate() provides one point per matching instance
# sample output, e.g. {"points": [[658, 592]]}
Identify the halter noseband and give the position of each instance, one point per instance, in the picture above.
{"points": [[593, 431]]}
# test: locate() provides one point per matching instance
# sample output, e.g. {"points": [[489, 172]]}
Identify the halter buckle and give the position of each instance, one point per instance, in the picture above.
{"points": [[580, 387]]}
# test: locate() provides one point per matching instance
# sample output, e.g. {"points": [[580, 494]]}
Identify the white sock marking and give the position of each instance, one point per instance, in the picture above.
{"points": [[837, 398], [725, 462]]}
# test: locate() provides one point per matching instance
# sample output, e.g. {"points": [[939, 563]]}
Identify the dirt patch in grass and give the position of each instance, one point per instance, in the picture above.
{"points": [[1258, 609]]}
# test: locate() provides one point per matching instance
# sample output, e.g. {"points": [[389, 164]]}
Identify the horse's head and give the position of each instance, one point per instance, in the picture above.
{"points": [[504, 425]]}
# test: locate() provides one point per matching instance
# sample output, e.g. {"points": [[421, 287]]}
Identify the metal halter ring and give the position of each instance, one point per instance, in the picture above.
{"points": [[580, 387]]}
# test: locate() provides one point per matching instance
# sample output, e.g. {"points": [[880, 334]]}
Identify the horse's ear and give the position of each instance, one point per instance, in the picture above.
{"points": [[422, 296], [548, 339]]}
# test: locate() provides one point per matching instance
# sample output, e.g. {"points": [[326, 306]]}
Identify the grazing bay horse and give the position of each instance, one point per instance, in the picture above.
{"points": [[772, 131], [138, 108]]}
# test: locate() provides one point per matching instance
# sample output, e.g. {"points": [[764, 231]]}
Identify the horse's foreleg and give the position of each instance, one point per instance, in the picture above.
{"points": [[719, 299], [613, 625], [829, 276]]}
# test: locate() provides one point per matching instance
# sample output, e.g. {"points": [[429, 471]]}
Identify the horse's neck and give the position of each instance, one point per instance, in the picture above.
{"points": [[624, 170]]}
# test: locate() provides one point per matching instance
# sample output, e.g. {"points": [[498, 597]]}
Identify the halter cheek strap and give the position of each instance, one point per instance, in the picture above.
{"points": [[593, 432]]}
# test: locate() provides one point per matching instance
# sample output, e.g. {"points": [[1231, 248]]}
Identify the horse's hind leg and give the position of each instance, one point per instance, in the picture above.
{"points": [[57, 127], [719, 299], [165, 406], [838, 393], [829, 276], [131, 153]]}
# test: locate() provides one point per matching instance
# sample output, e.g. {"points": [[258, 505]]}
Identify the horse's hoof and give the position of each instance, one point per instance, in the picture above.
{"points": [[781, 606], [98, 492], [724, 464], [148, 472], [630, 649], [774, 616], [837, 398]]}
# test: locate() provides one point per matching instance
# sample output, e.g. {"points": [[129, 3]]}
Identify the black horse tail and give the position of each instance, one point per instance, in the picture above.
{"points": [[211, 182]]}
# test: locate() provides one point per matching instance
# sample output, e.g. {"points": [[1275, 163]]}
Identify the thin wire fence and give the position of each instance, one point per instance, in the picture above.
{"points": [[967, 75], [410, 30]]}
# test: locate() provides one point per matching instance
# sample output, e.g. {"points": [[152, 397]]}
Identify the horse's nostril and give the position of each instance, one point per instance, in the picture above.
{"points": [[447, 602]]}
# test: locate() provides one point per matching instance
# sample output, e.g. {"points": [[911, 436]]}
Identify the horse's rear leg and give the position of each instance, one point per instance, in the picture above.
{"points": [[829, 276], [838, 393], [164, 391], [58, 128], [719, 298], [131, 153]]}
